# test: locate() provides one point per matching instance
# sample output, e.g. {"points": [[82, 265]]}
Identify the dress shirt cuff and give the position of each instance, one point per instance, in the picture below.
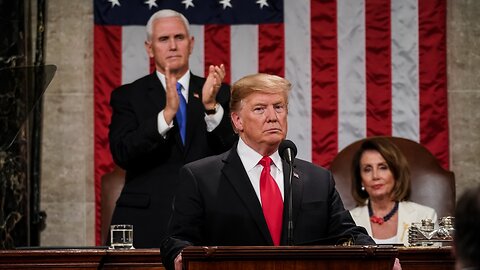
{"points": [[213, 120], [163, 127]]}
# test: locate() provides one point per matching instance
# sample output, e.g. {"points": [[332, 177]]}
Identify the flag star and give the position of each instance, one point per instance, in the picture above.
{"points": [[151, 3], [262, 3], [225, 3], [188, 3], [114, 2]]}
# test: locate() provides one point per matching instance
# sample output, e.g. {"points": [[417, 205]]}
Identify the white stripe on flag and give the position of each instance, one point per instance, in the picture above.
{"points": [[244, 51], [298, 72], [405, 74], [197, 57], [135, 61], [351, 72]]}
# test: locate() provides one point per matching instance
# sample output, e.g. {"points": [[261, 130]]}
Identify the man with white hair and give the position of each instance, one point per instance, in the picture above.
{"points": [[161, 122]]}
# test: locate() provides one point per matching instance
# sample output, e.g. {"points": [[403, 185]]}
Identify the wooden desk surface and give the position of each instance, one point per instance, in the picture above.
{"points": [[149, 259]]}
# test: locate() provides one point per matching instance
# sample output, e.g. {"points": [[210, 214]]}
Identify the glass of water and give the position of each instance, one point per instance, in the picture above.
{"points": [[121, 236]]}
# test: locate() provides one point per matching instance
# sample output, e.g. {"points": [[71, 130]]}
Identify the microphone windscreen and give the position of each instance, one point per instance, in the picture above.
{"points": [[287, 144]]}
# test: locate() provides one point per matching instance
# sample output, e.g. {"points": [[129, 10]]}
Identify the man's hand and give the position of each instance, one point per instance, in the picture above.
{"points": [[173, 101], [216, 74], [396, 265], [178, 262]]}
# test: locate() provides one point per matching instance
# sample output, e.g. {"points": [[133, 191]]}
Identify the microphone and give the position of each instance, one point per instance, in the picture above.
{"points": [[288, 151]]}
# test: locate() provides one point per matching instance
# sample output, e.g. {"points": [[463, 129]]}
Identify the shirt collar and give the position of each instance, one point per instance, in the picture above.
{"points": [[184, 80], [250, 157]]}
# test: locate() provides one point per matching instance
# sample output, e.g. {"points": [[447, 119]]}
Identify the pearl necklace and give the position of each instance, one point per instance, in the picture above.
{"points": [[380, 220]]}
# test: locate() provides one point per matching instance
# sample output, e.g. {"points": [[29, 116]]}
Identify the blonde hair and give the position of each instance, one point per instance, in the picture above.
{"points": [[259, 82]]}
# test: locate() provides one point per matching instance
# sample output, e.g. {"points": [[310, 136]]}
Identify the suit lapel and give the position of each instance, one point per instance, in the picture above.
{"points": [[235, 173], [194, 109], [156, 92], [364, 219], [406, 216]]}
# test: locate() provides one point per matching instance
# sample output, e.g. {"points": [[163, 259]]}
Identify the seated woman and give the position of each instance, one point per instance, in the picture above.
{"points": [[381, 186]]}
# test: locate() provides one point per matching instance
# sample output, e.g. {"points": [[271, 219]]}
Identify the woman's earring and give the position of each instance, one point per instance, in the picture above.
{"points": [[363, 188]]}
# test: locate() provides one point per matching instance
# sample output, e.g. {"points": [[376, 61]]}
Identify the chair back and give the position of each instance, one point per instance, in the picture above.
{"points": [[112, 185], [431, 185]]}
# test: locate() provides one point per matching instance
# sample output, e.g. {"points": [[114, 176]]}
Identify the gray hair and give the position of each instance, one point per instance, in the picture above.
{"points": [[165, 13]]}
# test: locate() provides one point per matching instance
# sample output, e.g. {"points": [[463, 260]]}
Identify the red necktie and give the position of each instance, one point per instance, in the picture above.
{"points": [[272, 203]]}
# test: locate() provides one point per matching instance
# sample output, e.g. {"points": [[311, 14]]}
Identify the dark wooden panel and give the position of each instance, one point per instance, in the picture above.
{"points": [[292, 258], [143, 259], [73, 259], [419, 258], [81, 259], [245, 258]]}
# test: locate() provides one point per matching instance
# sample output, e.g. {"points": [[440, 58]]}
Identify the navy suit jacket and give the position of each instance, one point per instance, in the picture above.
{"points": [[216, 205], [151, 161]]}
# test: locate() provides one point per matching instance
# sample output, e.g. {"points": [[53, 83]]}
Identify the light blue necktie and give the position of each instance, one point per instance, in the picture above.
{"points": [[181, 115]]}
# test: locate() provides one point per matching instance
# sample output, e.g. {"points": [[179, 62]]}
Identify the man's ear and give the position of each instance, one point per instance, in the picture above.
{"points": [[148, 48], [192, 43], [237, 121]]}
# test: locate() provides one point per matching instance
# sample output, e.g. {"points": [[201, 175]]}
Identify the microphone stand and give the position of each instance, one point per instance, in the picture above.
{"points": [[290, 204], [288, 151]]}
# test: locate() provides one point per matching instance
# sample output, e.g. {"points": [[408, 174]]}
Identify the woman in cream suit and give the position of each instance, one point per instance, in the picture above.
{"points": [[381, 187]]}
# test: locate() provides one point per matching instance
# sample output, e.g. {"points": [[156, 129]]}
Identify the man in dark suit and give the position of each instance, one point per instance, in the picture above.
{"points": [[148, 136], [222, 199]]}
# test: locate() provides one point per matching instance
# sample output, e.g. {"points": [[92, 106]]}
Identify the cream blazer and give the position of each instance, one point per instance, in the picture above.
{"points": [[408, 212]]}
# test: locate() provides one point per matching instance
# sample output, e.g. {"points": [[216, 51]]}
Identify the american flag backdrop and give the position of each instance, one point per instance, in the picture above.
{"points": [[358, 67]]}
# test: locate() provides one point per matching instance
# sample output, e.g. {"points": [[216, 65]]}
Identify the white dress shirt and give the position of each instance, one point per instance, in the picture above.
{"points": [[250, 160]]}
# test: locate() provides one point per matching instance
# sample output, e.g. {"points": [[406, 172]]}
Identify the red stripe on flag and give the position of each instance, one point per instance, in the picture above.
{"points": [[271, 49], [378, 67], [324, 81], [217, 48], [433, 79], [107, 75]]}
